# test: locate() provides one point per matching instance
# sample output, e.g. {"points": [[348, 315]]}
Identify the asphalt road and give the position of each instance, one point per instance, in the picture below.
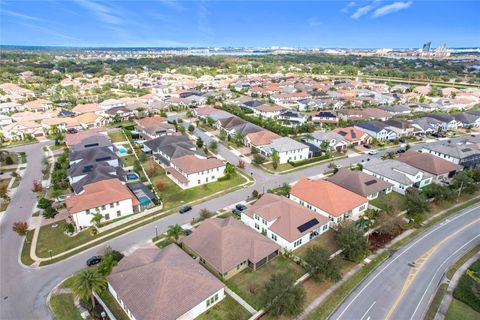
{"points": [[396, 290], [24, 290]]}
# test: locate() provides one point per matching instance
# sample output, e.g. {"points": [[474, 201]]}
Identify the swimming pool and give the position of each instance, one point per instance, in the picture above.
{"points": [[122, 150], [132, 176], [145, 201]]}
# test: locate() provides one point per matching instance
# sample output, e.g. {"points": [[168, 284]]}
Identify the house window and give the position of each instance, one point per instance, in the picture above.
{"points": [[88, 211], [325, 227], [363, 207], [257, 226], [107, 216], [264, 221], [104, 207], [111, 205], [198, 181], [274, 237], [117, 203], [119, 213], [257, 217]]}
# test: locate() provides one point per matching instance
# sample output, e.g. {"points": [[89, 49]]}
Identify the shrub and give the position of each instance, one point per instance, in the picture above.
{"points": [[310, 160], [8, 160], [44, 203], [160, 185], [20, 227]]}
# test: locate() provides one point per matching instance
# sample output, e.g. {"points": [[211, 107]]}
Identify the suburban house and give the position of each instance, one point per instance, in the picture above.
{"points": [[80, 175], [398, 109], [85, 108], [166, 148], [353, 135], [153, 127], [9, 107], [287, 223], [163, 284], [228, 246], [427, 125], [328, 199], [361, 183], [465, 154], [325, 117], [401, 127], [377, 130], [112, 103], [440, 169], [39, 105], [192, 170], [5, 120], [293, 118], [448, 121], [120, 113], [326, 141], [20, 130], [260, 138], [467, 119], [287, 148], [267, 111], [94, 155], [209, 112], [74, 138], [110, 198], [235, 125], [92, 142], [401, 175]]}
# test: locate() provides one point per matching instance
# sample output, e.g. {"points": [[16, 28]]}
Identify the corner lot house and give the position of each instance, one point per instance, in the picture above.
{"points": [[287, 148], [353, 135], [110, 198], [328, 199], [153, 127], [191, 171], [361, 183], [287, 223], [465, 154], [440, 169], [163, 284], [227, 246], [401, 175], [377, 130]]}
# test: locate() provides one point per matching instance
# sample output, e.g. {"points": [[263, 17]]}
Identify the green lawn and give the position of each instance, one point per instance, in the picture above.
{"points": [[393, 199], [459, 310], [280, 168], [25, 256], [172, 195], [465, 290], [325, 240], [113, 305], [117, 136], [249, 284], [129, 160], [54, 239], [63, 307], [227, 309]]}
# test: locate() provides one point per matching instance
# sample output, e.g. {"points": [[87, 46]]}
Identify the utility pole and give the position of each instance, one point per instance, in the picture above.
{"points": [[460, 190]]}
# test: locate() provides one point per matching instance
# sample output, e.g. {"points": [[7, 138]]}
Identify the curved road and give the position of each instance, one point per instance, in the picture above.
{"points": [[24, 289], [397, 290]]}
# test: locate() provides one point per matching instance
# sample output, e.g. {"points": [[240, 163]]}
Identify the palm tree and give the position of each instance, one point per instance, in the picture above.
{"points": [[175, 232], [87, 282], [96, 219]]}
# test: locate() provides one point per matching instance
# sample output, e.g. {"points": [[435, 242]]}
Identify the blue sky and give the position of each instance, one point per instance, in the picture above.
{"points": [[356, 24]]}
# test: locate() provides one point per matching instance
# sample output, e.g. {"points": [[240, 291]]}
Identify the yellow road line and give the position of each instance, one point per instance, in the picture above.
{"points": [[419, 263]]}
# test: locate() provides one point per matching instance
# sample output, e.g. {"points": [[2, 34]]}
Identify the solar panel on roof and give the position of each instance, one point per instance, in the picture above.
{"points": [[466, 150], [308, 225], [370, 182], [353, 133]]}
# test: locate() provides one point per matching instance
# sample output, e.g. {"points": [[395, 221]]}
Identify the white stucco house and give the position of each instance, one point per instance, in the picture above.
{"points": [[190, 171]]}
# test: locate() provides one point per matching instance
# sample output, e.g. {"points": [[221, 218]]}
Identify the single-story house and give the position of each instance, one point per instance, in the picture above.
{"points": [[163, 284], [353, 135], [228, 246], [361, 183]]}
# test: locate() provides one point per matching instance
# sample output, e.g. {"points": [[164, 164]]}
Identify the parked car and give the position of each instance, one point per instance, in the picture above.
{"points": [[236, 212], [94, 260], [401, 151], [185, 209], [373, 152], [367, 146], [61, 198], [188, 232], [240, 207]]}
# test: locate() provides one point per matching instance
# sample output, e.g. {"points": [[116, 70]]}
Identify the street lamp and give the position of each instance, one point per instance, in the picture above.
{"points": [[156, 232]]}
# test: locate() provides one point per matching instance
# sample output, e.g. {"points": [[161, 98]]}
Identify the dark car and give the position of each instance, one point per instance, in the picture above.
{"points": [[240, 207], [367, 146], [94, 260], [400, 150], [185, 209], [236, 212], [188, 232]]}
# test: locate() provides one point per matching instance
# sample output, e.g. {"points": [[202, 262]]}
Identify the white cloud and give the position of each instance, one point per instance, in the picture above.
{"points": [[361, 11], [390, 8], [313, 22], [348, 6], [22, 16], [101, 11]]}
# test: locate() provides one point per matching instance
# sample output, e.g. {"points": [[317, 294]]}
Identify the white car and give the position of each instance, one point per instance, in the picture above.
{"points": [[372, 152]]}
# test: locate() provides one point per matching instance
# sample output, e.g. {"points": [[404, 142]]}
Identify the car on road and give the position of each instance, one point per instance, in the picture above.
{"points": [[188, 232], [61, 198], [373, 152], [401, 151], [236, 212], [240, 207], [185, 209], [94, 260], [367, 146]]}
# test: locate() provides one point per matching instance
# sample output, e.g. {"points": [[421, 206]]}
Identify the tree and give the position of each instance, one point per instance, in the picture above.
{"points": [[282, 297], [352, 241], [241, 164], [181, 129], [223, 135], [86, 282], [199, 143], [320, 266], [191, 128], [151, 168], [50, 212], [325, 146], [275, 159], [96, 218], [389, 224], [258, 160], [415, 201], [20, 227], [463, 182], [439, 192], [238, 139], [37, 186], [175, 231], [160, 185], [8, 160], [229, 169], [213, 146]]}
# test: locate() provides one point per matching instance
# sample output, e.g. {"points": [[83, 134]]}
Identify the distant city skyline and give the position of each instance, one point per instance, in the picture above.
{"points": [[258, 24]]}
